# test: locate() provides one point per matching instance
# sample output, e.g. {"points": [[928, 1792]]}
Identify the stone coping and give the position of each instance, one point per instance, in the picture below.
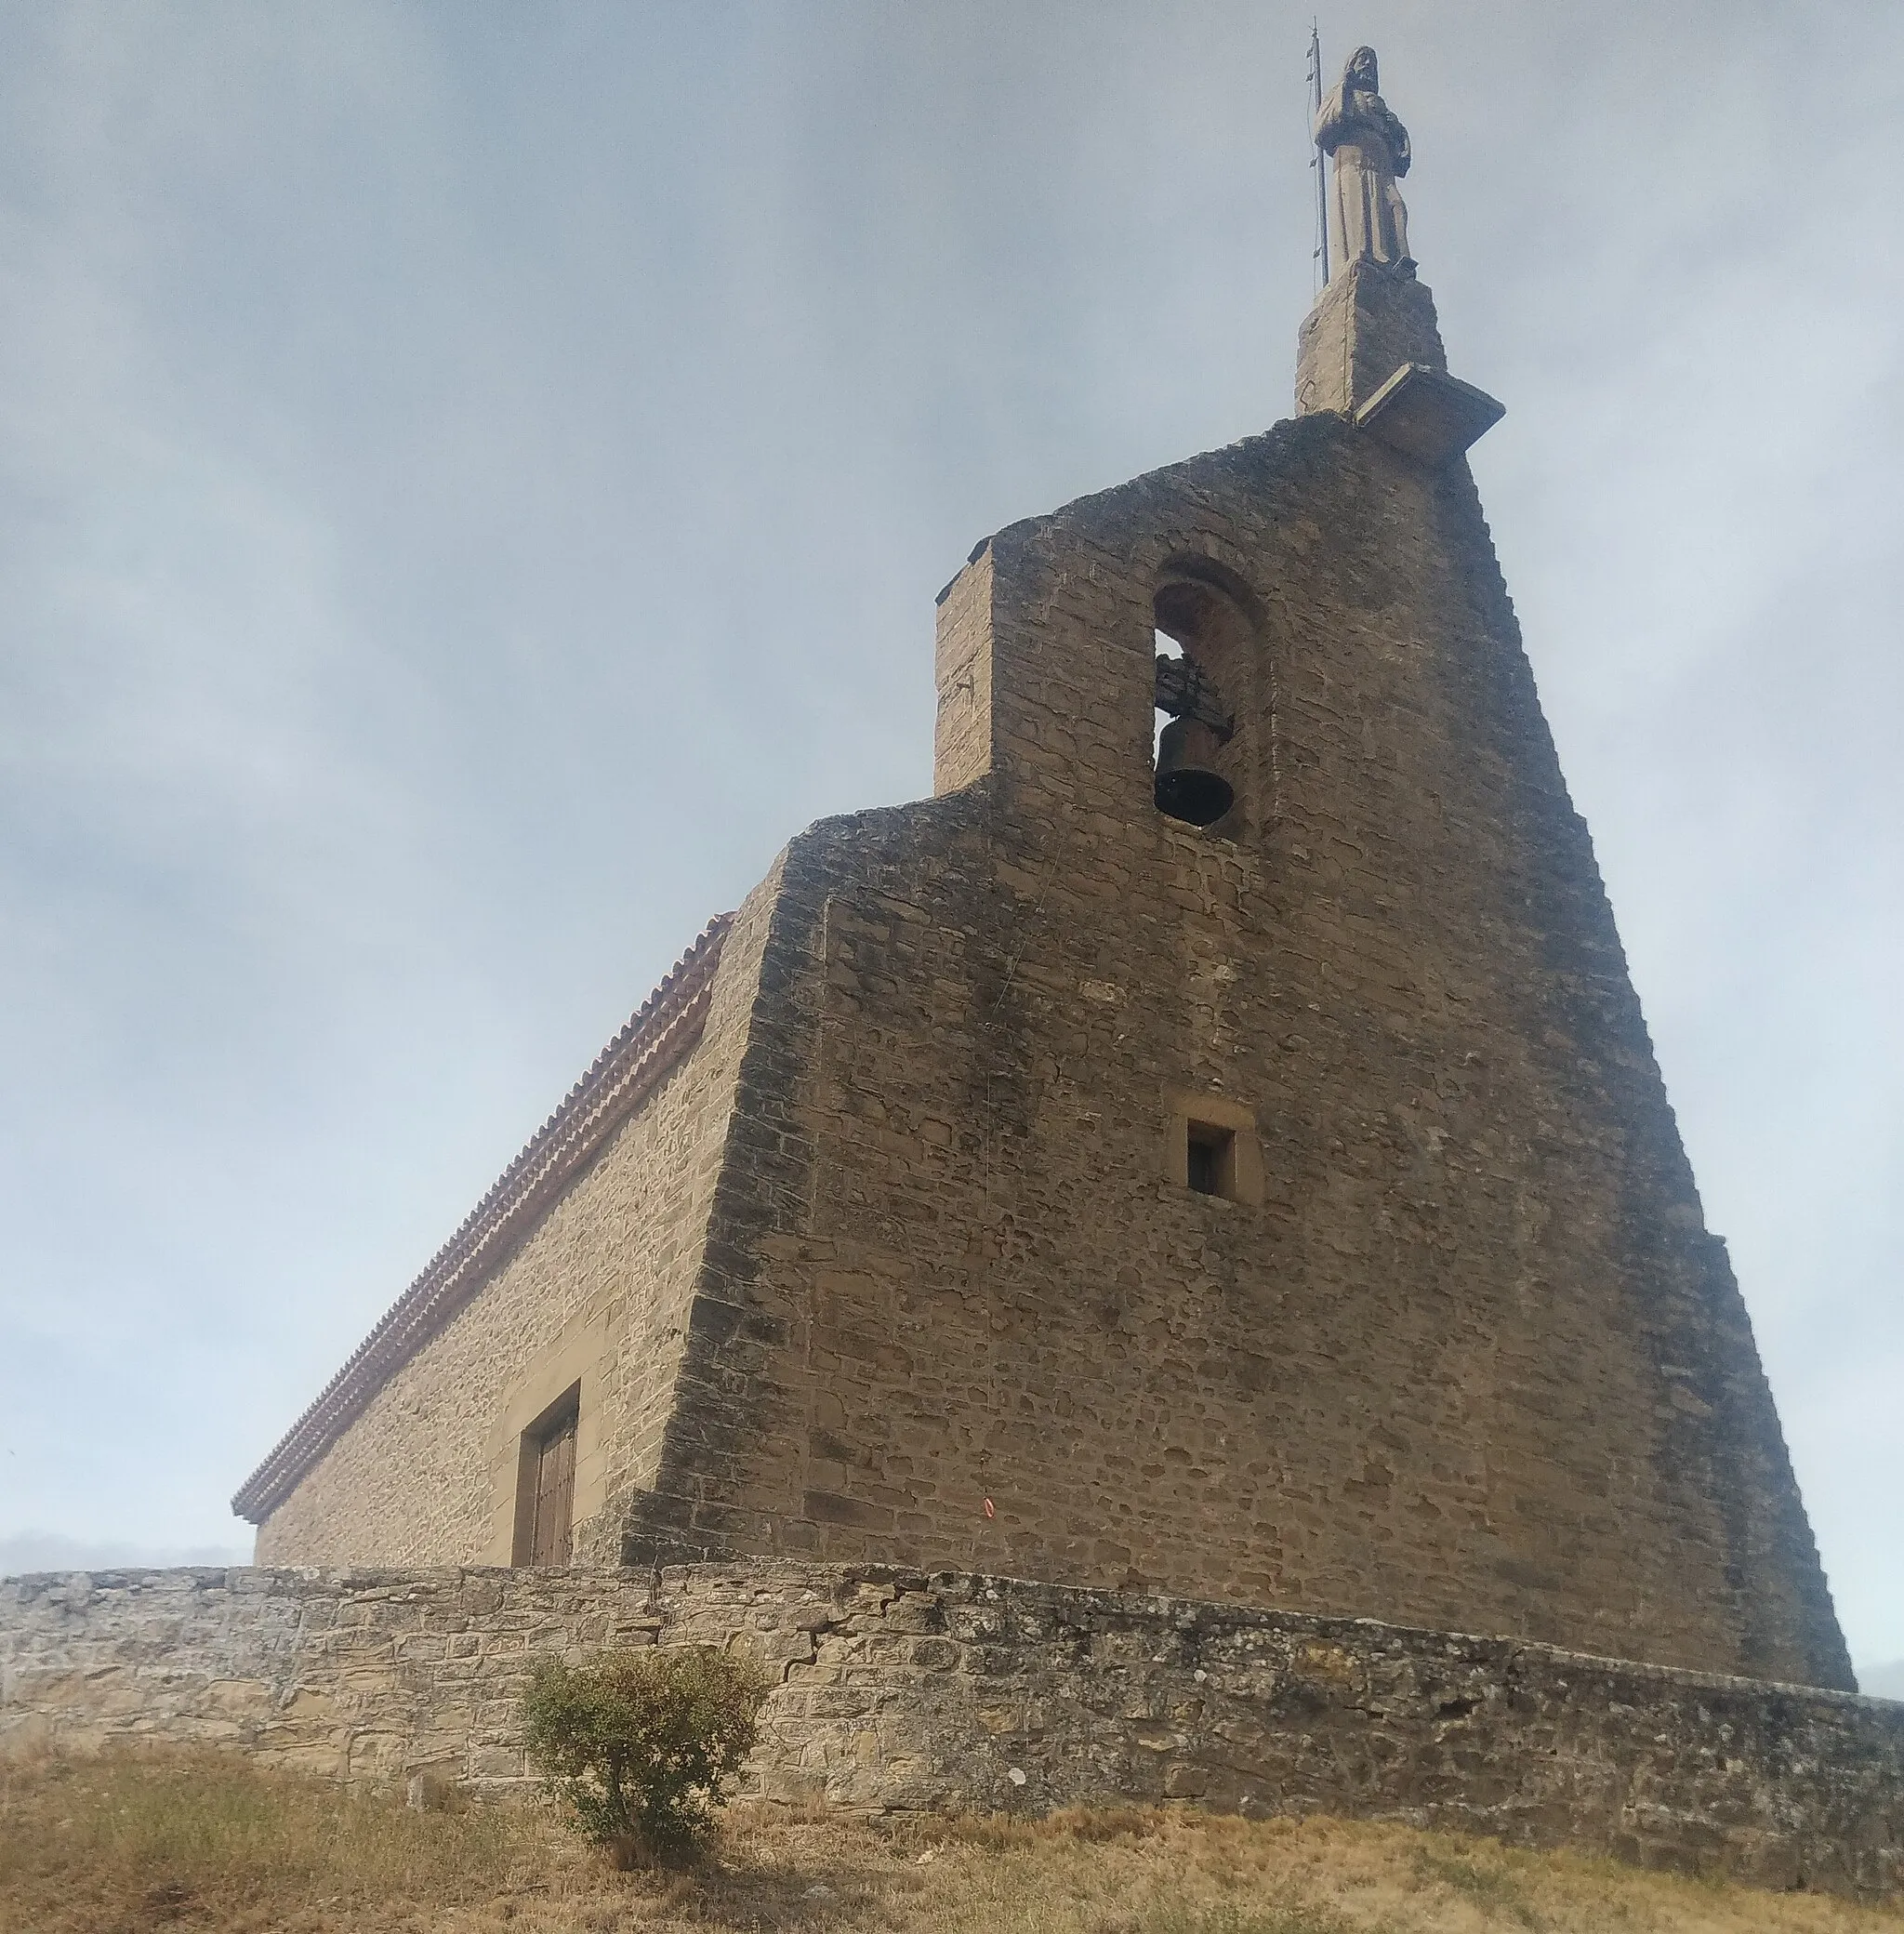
{"points": [[384, 1579]]}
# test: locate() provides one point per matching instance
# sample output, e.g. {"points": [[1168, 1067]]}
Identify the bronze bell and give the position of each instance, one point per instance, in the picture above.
{"points": [[1189, 788]]}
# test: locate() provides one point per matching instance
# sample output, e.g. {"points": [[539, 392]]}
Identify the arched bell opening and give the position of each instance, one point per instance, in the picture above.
{"points": [[1202, 664]]}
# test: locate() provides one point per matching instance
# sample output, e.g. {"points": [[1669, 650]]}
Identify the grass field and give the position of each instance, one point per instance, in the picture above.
{"points": [[177, 1841]]}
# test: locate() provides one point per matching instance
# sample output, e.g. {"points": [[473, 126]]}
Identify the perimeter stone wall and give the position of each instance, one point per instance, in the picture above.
{"points": [[897, 1690]]}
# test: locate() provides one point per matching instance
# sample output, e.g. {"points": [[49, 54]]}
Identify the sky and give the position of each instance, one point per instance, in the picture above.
{"points": [[473, 479]]}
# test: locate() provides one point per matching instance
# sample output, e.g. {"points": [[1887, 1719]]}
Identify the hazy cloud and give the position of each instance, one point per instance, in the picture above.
{"points": [[472, 483]]}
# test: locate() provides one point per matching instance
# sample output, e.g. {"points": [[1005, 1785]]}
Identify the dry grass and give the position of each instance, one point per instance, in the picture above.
{"points": [[136, 1842]]}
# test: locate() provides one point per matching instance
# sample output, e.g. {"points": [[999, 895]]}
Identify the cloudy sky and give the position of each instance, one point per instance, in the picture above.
{"points": [[473, 479]]}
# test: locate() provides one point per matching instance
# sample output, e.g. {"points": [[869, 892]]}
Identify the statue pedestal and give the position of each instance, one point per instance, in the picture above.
{"points": [[1371, 349], [1366, 324]]}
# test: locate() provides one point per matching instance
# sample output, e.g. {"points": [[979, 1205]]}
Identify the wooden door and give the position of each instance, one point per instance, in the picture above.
{"points": [[555, 1494]]}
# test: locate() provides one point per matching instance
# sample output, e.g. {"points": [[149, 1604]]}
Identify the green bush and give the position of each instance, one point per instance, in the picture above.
{"points": [[639, 1745]]}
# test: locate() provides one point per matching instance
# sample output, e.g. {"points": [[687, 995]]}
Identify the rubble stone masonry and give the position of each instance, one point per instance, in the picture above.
{"points": [[899, 1264], [596, 1294], [898, 1691], [1465, 1357]]}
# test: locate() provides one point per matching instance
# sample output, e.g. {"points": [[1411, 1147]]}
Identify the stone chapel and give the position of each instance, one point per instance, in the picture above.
{"points": [[1233, 1165]]}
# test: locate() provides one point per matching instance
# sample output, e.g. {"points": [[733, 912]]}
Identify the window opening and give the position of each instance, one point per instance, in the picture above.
{"points": [[1211, 1166], [1167, 647], [1197, 721]]}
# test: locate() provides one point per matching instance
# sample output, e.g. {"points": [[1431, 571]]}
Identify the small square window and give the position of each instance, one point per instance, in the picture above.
{"points": [[1210, 1147], [1211, 1166]]}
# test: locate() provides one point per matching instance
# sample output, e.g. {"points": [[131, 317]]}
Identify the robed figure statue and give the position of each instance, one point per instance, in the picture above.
{"points": [[1366, 221]]}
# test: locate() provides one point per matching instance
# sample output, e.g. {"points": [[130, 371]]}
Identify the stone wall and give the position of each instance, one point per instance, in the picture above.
{"points": [[899, 1691], [599, 1294], [903, 1267], [1465, 1356]]}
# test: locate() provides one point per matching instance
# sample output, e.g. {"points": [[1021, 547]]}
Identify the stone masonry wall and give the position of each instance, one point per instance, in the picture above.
{"points": [[600, 1290], [1467, 1358], [901, 1267], [899, 1691]]}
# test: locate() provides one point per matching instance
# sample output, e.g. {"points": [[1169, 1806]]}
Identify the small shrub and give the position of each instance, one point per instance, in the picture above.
{"points": [[641, 1744]]}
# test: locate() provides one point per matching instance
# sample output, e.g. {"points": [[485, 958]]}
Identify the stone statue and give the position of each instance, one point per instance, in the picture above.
{"points": [[1366, 220]]}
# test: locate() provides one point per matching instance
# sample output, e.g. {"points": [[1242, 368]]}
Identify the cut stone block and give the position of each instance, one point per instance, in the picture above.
{"points": [[1429, 414]]}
